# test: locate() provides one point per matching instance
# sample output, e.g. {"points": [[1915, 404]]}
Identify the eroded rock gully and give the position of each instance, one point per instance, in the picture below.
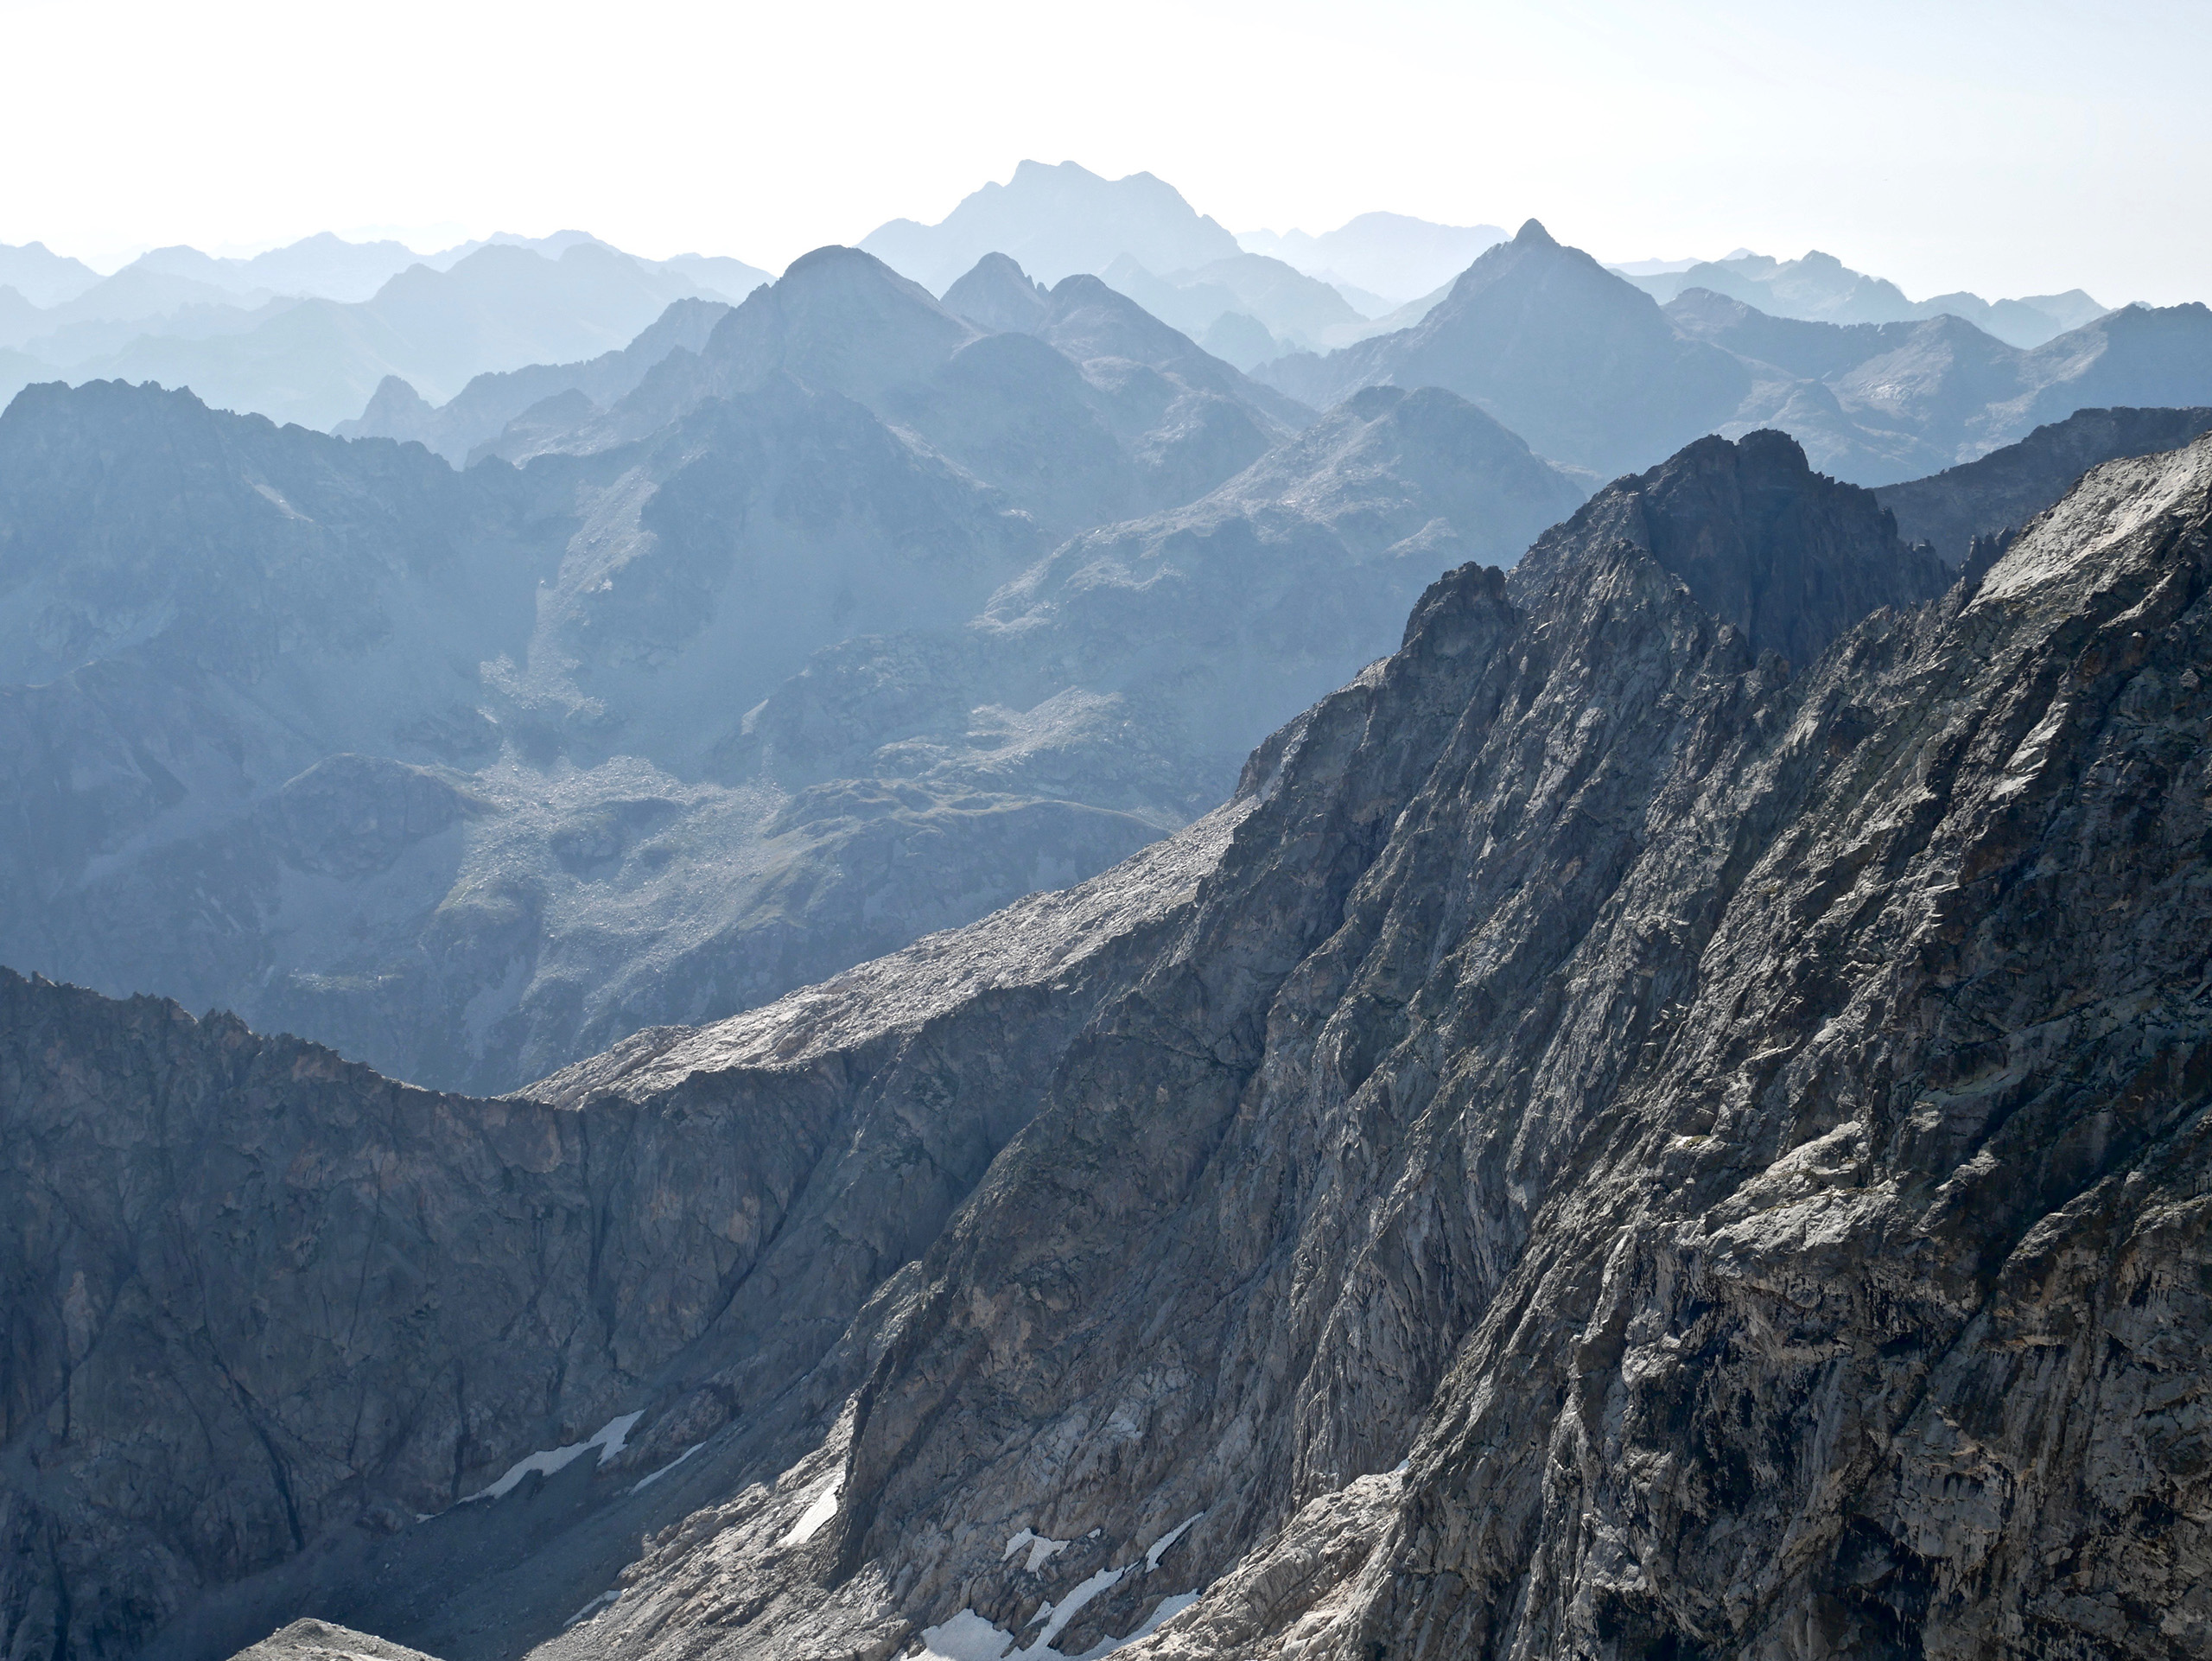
{"points": [[1612, 1145]]}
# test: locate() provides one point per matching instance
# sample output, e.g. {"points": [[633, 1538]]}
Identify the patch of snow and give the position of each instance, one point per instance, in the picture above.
{"points": [[1159, 1547], [811, 1519], [647, 1480], [1403, 1465], [610, 1440], [1057, 1616], [1041, 1550], [966, 1637], [591, 1608]]}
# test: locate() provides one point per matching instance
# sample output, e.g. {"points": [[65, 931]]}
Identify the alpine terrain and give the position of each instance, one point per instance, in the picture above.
{"points": [[1665, 1116]]}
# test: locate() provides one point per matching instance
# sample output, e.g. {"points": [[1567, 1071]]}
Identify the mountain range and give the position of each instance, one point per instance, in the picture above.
{"points": [[1820, 287], [307, 332], [1666, 1115], [437, 764], [1594, 373]]}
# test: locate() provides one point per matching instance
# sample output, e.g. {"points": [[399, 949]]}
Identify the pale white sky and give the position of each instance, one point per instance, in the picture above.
{"points": [[2009, 148]]}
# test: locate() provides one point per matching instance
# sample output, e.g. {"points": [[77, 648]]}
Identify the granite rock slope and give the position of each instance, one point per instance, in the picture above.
{"points": [[285, 1335]]}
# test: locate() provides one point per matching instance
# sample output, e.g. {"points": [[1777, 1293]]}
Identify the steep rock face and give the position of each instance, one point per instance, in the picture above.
{"points": [[1738, 1139], [2005, 489], [265, 1307]]}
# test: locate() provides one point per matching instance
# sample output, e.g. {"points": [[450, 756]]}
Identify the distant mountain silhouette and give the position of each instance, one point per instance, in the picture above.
{"points": [[483, 410], [41, 277], [1106, 413], [1565, 354], [1880, 402], [1280, 308], [1390, 255], [1055, 221], [1593, 373], [1822, 288], [239, 332], [2005, 489]]}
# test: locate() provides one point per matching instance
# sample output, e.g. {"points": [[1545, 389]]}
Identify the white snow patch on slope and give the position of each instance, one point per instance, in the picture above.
{"points": [[1057, 1616], [611, 1437], [1041, 1549], [1159, 1547], [811, 1519], [592, 1608], [647, 1480], [966, 1637]]}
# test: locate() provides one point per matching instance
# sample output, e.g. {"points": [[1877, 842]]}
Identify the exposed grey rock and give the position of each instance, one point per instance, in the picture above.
{"points": [[2006, 489], [317, 1640]]}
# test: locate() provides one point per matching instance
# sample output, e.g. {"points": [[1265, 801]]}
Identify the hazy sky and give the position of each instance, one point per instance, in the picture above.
{"points": [[2009, 148]]}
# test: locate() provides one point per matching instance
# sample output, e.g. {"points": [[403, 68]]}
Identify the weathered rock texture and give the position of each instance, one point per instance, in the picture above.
{"points": [[1607, 1147]]}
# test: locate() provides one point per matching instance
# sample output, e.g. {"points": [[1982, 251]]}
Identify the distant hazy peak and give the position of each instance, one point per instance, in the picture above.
{"points": [[998, 295], [1055, 221], [1820, 287], [1533, 234], [1394, 255]]}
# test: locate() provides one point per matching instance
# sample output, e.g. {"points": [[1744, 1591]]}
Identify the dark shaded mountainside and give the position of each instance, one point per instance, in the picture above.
{"points": [[1594, 373], [1608, 1144]]}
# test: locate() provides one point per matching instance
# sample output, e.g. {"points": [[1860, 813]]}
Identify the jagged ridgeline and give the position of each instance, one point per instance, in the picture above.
{"points": [[1666, 1117]]}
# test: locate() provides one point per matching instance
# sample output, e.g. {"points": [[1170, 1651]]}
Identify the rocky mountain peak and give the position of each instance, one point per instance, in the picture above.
{"points": [[1790, 555], [1532, 234]]}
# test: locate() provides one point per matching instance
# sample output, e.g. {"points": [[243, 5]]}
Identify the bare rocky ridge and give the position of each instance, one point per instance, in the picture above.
{"points": [[1608, 1145]]}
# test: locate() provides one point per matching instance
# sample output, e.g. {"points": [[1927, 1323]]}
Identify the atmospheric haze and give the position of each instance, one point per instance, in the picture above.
{"points": [[2020, 148]]}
